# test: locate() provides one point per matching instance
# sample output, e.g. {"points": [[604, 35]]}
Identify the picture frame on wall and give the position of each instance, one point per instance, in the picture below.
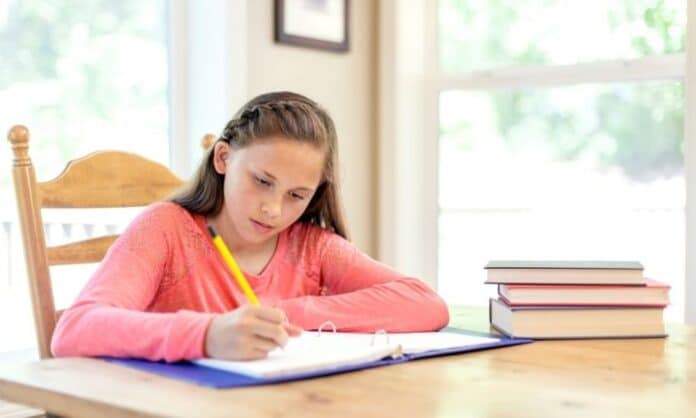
{"points": [[319, 24]]}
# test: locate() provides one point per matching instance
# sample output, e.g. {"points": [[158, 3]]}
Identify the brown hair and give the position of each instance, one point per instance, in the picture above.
{"points": [[283, 114]]}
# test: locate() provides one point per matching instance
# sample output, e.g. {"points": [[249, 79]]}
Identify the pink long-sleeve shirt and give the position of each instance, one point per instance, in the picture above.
{"points": [[162, 282]]}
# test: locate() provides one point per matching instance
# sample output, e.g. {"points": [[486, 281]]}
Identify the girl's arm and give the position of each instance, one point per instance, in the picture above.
{"points": [[108, 317], [361, 294]]}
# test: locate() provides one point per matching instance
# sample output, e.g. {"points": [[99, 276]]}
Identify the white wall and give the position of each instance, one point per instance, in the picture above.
{"points": [[344, 83], [408, 130]]}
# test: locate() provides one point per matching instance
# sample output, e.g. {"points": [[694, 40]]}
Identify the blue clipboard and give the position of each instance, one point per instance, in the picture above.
{"points": [[215, 378]]}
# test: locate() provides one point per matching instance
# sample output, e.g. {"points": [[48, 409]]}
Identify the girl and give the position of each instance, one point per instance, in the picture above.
{"points": [[269, 188]]}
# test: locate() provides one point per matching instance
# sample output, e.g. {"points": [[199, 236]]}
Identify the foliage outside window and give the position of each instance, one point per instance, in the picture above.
{"points": [[568, 170]]}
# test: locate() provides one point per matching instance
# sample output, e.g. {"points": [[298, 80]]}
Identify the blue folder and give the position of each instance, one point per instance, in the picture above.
{"points": [[215, 378]]}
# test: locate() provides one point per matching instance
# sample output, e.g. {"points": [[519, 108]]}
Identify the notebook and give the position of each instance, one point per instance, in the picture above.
{"points": [[318, 351], [315, 354]]}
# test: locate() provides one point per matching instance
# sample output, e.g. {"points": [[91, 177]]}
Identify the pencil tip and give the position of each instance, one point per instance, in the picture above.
{"points": [[211, 231]]}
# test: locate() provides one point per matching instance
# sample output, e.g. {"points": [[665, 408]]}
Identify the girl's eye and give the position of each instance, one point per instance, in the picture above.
{"points": [[297, 196], [262, 182]]}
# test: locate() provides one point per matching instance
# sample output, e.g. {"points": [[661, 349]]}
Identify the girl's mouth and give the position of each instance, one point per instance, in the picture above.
{"points": [[261, 227]]}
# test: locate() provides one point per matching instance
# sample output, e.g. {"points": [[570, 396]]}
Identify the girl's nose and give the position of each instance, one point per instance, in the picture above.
{"points": [[271, 209]]}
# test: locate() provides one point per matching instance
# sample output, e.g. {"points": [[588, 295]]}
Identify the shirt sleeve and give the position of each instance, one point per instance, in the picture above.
{"points": [[363, 295], [109, 319]]}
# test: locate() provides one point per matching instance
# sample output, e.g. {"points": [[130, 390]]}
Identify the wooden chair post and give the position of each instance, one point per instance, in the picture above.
{"points": [[28, 205], [208, 141], [97, 180]]}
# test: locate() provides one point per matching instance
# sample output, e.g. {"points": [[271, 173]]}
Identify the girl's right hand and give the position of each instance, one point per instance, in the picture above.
{"points": [[248, 333]]}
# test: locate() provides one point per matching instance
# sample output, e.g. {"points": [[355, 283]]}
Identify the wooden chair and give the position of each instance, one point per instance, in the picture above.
{"points": [[102, 179]]}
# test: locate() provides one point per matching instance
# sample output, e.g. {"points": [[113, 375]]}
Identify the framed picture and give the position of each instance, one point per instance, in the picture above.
{"points": [[321, 24]]}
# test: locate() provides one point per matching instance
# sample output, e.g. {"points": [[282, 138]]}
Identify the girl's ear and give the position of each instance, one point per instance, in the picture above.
{"points": [[221, 152]]}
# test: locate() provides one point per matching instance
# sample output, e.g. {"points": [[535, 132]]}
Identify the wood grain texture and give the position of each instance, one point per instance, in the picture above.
{"points": [[29, 210], [86, 251], [102, 179], [108, 179], [11, 410], [589, 378]]}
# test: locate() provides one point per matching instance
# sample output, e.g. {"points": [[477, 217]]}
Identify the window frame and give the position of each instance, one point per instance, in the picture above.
{"points": [[410, 84], [207, 73], [203, 93]]}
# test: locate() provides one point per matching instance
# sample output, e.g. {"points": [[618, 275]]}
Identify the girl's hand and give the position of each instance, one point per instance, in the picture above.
{"points": [[248, 333]]}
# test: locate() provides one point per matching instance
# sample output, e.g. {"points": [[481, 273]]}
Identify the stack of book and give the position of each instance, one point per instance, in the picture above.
{"points": [[576, 299]]}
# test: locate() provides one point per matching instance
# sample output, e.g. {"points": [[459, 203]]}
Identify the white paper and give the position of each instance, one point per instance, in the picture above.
{"points": [[313, 351]]}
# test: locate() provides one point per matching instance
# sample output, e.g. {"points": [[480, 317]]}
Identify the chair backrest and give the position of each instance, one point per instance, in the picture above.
{"points": [[105, 179]]}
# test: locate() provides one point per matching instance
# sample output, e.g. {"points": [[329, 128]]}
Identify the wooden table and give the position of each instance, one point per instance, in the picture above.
{"points": [[591, 378]]}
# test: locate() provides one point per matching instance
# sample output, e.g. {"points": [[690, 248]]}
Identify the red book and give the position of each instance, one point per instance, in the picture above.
{"points": [[652, 293]]}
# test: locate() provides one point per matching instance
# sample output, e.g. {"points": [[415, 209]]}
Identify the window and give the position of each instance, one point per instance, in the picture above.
{"points": [[560, 136], [82, 76], [484, 35]]}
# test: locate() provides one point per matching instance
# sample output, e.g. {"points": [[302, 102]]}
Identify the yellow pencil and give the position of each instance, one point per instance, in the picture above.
{"points": [[234, 268]]}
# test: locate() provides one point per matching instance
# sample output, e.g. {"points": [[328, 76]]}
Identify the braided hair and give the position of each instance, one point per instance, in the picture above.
{"points": [[279, 114]]}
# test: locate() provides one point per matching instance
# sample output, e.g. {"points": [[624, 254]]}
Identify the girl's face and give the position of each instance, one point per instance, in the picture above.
{"points": [[267, 186]]}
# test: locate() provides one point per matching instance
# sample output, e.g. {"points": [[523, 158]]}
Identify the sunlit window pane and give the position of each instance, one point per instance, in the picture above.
{"points": [[588, 171], [83, 76], [477, 34]]}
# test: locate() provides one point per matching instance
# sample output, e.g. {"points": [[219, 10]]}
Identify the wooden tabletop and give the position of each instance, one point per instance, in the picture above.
{"points": [[585, 378]]}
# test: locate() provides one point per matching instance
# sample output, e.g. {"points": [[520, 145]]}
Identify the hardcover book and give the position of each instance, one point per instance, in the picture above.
{"points": [[561, 322], [565, 272], [653, 293]]}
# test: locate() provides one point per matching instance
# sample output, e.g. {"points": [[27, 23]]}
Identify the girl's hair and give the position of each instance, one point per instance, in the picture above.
{"points": [[278, 114]]}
